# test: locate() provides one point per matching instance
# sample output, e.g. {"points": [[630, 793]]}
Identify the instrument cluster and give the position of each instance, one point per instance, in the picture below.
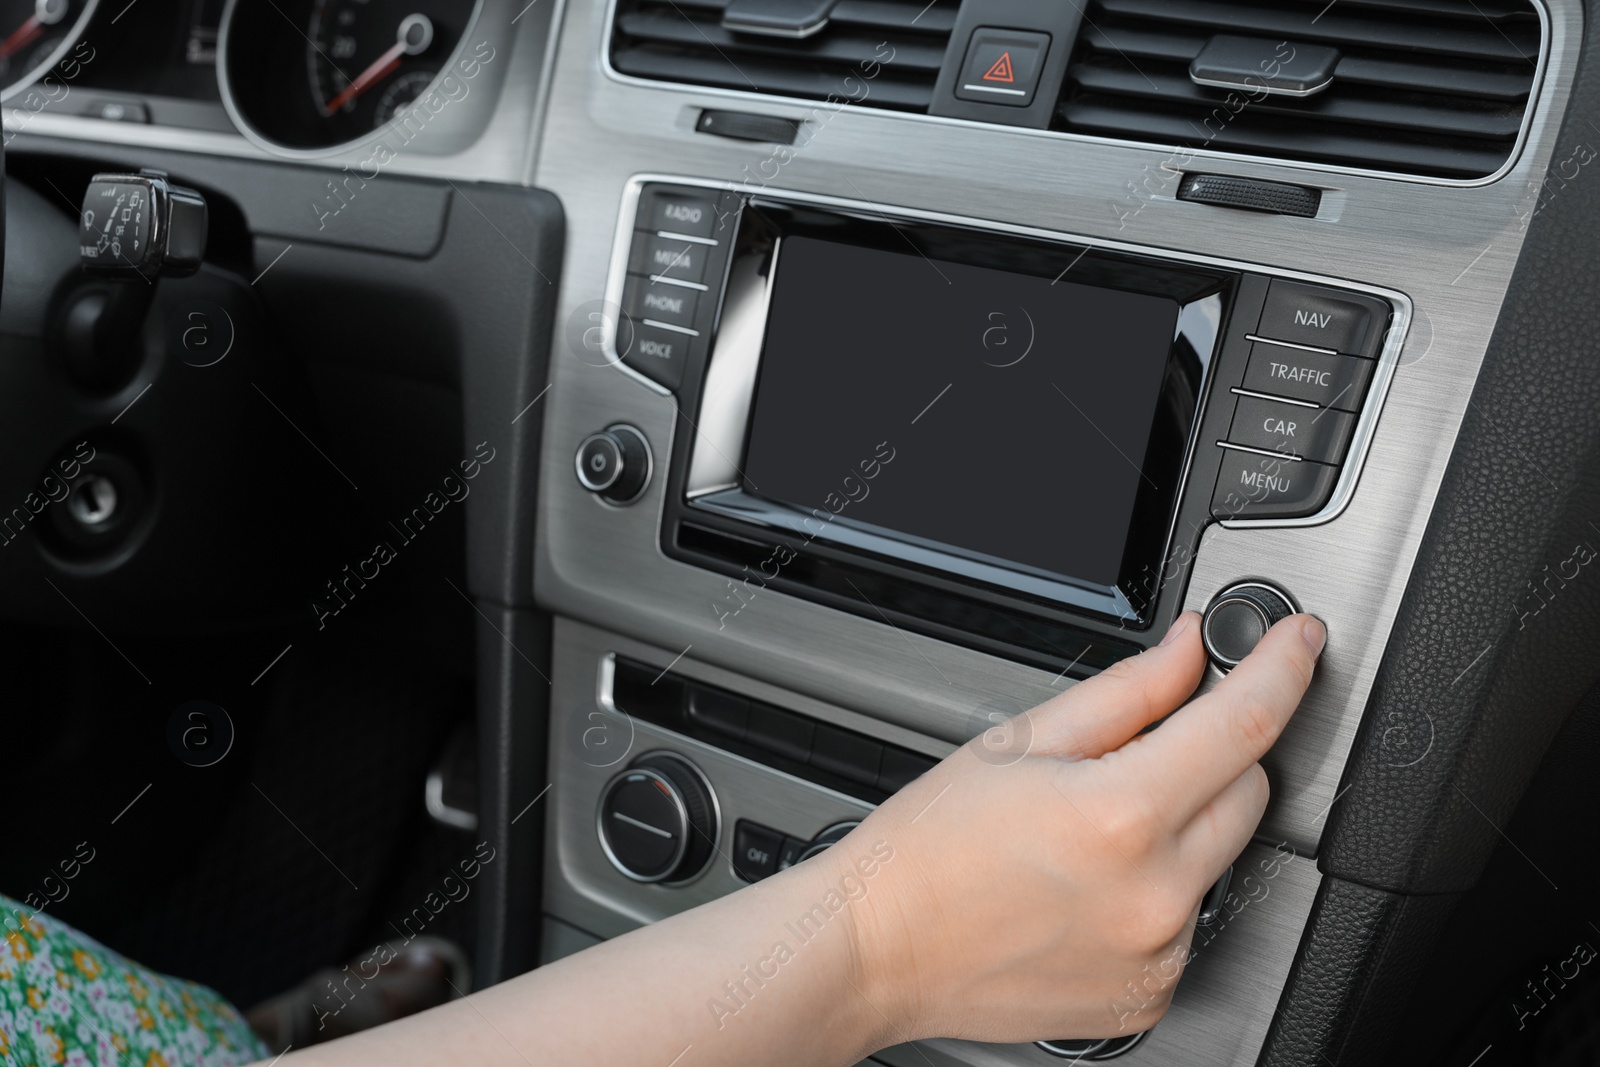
{"points": [[298, 77], [319, 74]]}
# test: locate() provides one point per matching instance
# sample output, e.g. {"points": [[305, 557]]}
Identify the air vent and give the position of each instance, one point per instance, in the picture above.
{"points": [[876, 53], [1437, 88]]}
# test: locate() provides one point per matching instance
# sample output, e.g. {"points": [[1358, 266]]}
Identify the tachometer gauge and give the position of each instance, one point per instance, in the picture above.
{"points": [[361, 66], [34, 36]]}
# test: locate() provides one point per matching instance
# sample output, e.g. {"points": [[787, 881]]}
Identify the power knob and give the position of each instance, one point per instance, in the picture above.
{"points": [[614, 464], [1239, 617], [658, 820]]}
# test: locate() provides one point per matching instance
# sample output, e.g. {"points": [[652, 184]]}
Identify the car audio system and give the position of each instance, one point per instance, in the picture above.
{"points": [[996, 436]]}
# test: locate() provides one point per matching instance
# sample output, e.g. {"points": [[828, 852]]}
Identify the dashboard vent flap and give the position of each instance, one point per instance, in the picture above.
{"points": [[874, 53], [1436, 88]]}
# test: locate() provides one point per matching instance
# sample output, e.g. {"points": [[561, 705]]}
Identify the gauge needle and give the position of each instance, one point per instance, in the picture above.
{"points": [[45, 13], [21, 37], [413, 37]]}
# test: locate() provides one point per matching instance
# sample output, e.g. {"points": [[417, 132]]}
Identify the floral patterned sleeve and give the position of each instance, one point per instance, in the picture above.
{"points": [[67, 999]]}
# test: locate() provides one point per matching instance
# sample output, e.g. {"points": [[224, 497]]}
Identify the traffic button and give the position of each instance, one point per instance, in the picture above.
{"points": [[1002, 67], [1330, 381]]}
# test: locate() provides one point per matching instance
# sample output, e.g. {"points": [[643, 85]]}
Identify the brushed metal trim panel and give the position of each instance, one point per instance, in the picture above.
{"points": [[760, 102], [1451, 250], [502, 150], [1219, 1014]]}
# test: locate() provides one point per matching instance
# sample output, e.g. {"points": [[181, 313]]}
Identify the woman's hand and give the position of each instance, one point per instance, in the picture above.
{"points": [[1020, 886]]}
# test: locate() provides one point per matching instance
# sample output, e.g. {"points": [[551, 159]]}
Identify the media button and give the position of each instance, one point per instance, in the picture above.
{"points": [[667, 257], [1326, 318], [671, 304], [658, 354], [1320, 434], [1254, 486], [1330, 381]]}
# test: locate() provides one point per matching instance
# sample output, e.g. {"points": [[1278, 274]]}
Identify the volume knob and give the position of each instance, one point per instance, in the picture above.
{"points": [[1239, 617], [614, 464]]}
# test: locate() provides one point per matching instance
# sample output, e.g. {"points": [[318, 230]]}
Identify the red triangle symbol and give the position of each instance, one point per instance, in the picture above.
{"points": [[1001, 71]]}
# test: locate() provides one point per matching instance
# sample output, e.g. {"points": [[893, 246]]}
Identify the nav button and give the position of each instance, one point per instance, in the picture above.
{"points": [[1325, 318], [1253, 486]]}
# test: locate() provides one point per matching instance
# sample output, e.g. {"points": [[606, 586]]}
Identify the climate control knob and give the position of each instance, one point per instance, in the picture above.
{"points": [[658, 820], [1239, 617], [614, 464]]}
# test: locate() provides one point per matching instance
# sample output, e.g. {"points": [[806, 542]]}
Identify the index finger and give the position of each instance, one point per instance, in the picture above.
{"points": [[1204, 746]]}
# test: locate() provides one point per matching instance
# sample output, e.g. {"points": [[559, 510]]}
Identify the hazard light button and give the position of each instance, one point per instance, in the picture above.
{"points": [[1002, 66]]}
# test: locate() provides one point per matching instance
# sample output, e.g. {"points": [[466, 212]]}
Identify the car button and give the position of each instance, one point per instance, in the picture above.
{"points": [[1290, 429], [1002, 67], [1330, 381], [1326, 318], [1253, 486]]}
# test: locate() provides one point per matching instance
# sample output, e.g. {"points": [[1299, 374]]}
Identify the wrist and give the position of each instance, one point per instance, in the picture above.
{"points": [[848, 883]]}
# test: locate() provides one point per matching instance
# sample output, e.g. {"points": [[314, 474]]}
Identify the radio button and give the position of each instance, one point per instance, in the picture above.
{"points": [[1253, 486], [1321, 434], [682, 213], [658, 354], [668, 258], [672, 304], [1326, 318], [1331, 381]]}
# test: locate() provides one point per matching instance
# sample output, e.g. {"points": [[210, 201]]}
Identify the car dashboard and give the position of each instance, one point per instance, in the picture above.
{"points": [[869, 372]]}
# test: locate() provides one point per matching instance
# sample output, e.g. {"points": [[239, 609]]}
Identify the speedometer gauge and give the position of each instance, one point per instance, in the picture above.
{"points": [[34, 36], [354, 48], [306, 76]]}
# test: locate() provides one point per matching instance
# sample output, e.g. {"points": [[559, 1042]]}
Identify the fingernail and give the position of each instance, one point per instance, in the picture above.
{"points": [[1315, 633], [1177, 629]]}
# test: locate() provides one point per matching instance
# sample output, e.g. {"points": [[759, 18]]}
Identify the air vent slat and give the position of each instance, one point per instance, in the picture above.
{"points": [[1415, 74], [784, 79], [1428, 78], [1471, 36], [1426, 87], [1327, 146], [872, 53], [848, 50], [936, 19], [1393, 113]]}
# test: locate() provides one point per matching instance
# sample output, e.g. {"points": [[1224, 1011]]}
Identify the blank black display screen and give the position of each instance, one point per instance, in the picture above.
{"points": [[1017, 409]]}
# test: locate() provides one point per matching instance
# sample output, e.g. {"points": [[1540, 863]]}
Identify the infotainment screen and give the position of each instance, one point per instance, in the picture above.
{"points": [[1001, 416]]}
